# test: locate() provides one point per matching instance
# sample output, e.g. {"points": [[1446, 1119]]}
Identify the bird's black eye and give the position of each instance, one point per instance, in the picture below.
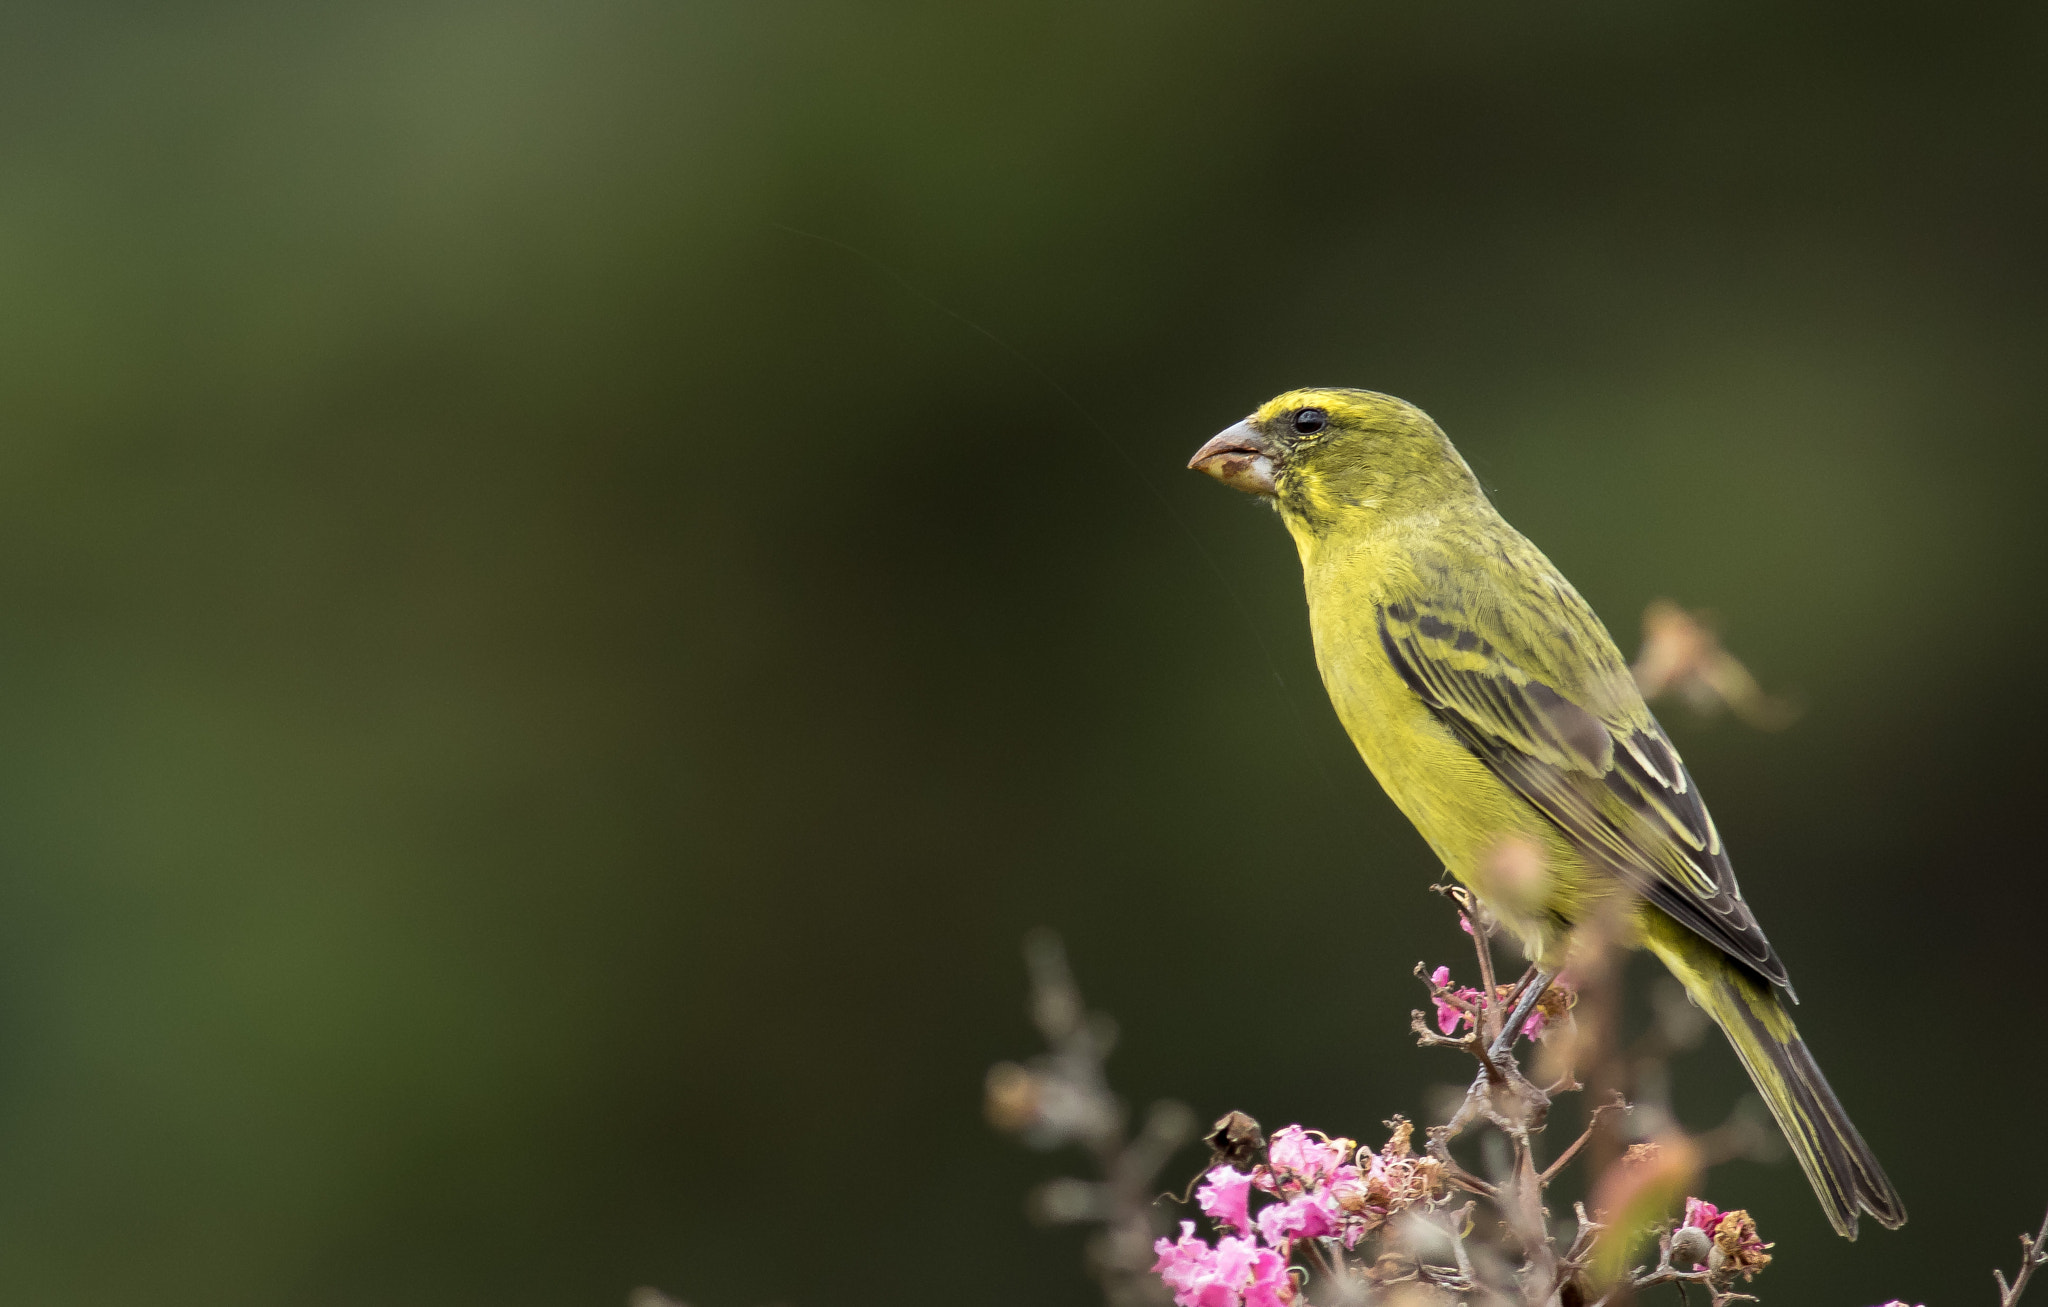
{"points": [[1308, 421]]}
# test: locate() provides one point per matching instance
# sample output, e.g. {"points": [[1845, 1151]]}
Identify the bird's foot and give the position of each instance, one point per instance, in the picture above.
{"points": [[1532, 993]]}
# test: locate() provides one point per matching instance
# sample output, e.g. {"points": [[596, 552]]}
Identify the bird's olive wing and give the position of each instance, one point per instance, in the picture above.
{"points": [[1616, 788]]}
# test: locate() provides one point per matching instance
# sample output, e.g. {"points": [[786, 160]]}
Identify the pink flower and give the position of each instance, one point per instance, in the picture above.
{"points": [[1224, 1197], [1299, 1160], [1447, 1017], [1201, 1276], [1449, 1014], [1310, 1216], [1702, 1215], [1235, 1273], [1271, 1285], [1351, 1202]]}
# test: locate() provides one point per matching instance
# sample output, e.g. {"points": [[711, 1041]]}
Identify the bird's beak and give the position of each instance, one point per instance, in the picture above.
{"points": [[1240, 458]]}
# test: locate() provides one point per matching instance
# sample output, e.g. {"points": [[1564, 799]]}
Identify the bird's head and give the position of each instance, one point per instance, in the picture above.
{"points": [[1324, 455]]}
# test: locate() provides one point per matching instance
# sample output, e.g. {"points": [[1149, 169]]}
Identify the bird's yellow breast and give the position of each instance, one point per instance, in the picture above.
{"points": [[1467, 814]]}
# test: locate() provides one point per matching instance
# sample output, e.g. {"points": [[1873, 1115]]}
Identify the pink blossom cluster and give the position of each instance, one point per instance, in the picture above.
{"points": [[1450, 1014], [1234, 1273], [1320, 1187]]}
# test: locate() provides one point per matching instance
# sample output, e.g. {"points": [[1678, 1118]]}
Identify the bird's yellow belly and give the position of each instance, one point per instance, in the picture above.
{"points": [[1487, 836]]}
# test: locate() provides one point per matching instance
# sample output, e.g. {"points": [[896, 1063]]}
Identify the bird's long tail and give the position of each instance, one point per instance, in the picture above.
{"points": [[1840, 1166]]}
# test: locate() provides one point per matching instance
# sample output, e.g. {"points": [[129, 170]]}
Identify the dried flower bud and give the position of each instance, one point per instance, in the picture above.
{"points": [[1235, 1140], [1555, 1005], [1737, 1248], [1400, 1131]]}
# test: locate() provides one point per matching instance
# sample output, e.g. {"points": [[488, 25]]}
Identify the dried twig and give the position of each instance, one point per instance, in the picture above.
{"points": [[2033, 1253], [1617, 1103], [1489, 1006]]}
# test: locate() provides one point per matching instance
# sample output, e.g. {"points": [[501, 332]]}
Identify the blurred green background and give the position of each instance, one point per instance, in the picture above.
{"points": [[539, 703]]}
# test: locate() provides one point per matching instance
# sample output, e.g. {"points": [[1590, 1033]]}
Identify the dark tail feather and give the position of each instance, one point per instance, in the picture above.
{"points": [[1840, 1166]]}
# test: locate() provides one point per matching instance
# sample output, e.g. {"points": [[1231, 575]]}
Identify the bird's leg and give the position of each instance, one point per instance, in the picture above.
{"points": [[1533, 991], [1516, 991]]}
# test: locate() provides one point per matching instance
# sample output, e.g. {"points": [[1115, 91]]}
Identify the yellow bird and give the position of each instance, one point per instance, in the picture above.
{"points": [[1494, 707]]}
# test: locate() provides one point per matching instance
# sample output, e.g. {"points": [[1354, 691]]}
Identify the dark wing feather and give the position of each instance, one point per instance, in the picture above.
{"points": [[1610, 781]]}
